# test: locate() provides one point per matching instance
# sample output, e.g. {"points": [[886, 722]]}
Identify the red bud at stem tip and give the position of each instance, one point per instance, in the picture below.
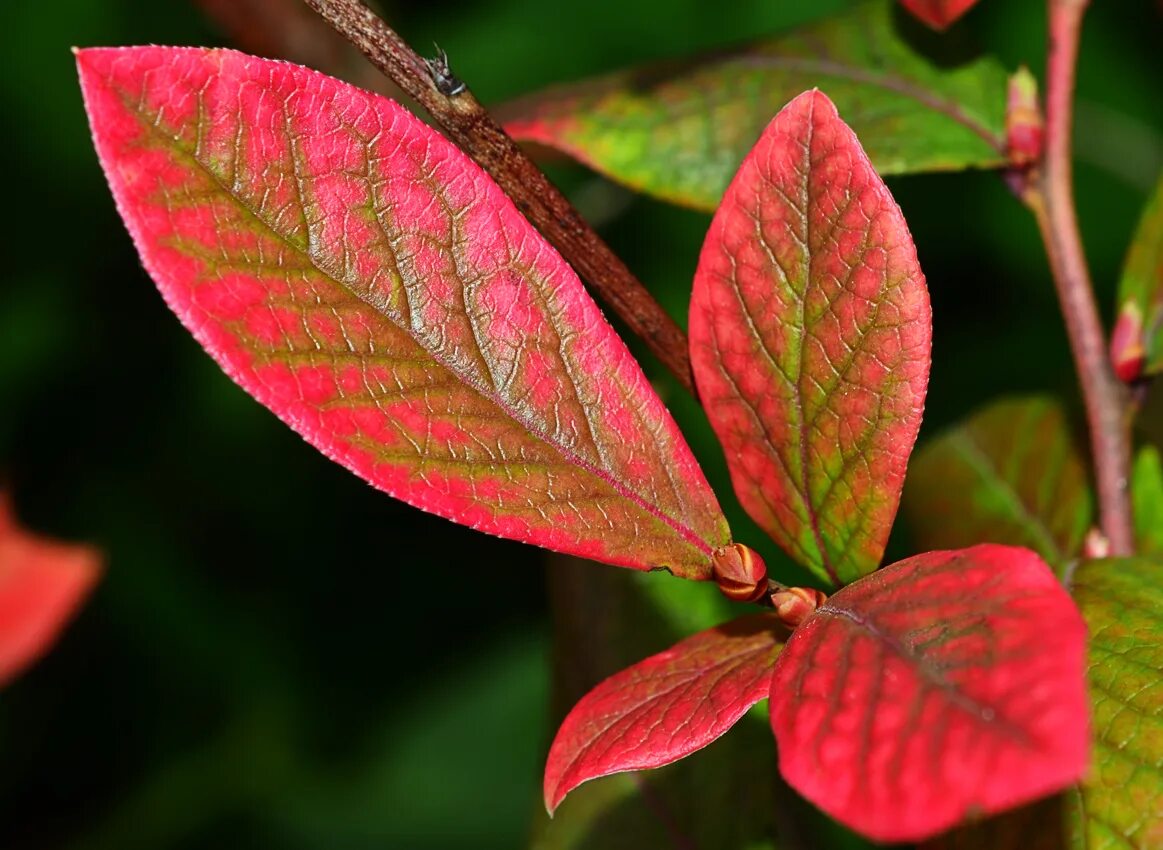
{"points": [[740, 573], [1024, 125], [796, 604]]}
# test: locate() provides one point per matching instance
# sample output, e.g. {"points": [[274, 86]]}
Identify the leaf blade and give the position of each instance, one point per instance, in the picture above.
{"points": [[1120, 803], [810, 332], [679, 131], [938, 14], [1011, 473], [358, 275], [42, 584], [1147, 501], [902, 705], [665, 707]]}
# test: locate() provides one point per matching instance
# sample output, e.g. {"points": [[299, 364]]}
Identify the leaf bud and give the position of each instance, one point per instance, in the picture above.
{"points": [[1128, 355], [1024, 124], [740, 573], [796, 604]]}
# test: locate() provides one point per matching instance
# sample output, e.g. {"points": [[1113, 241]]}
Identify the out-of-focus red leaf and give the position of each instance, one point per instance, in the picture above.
{"points": [[42, 583], [810, 331], [947, 685], [938, 14], [366, 281], [666, 707]]}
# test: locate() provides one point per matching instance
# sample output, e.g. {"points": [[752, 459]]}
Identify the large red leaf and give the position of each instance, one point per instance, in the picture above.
{"points": [[42, 583], [367, 282], [938, 14], [947, 685], [810, 330], [666, 707]]}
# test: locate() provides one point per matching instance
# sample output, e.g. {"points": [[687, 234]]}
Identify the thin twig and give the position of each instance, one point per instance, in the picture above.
{"points": [[433, 85], [1050, 195]]}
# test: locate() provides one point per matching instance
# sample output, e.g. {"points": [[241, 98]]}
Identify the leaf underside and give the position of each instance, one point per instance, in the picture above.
{"points": [[1119, 806], [810, 332], [928, 692], [679, 131], [1011, 473], [666, 707], [42, 584], [363, 279]]}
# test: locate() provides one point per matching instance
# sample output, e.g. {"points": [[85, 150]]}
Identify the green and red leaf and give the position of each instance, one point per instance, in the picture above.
{"points": [[42, 584], [1011, 473], [929, 692], [366, 281], [1120, 803], [938, 14], [666, 707], [679, 131], [1136, 341], [810, 333]]}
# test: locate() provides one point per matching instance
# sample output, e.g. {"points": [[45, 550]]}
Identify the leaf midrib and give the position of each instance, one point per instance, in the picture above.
{"points": [[685, 533]]}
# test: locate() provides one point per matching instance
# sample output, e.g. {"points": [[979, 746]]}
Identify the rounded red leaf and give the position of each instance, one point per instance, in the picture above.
{"points": [[945, 686]]}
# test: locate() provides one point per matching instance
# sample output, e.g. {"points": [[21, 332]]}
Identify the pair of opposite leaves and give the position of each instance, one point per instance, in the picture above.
{"points": [[368, 283]]}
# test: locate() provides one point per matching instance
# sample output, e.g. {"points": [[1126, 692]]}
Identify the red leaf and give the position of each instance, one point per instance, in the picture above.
{"points": [[947, 685], [810, 330], [366, 281], [666, 707], [938, 14], [42, 583]]}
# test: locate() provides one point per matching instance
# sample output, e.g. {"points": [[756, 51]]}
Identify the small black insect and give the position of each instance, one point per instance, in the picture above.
{"points": [[447, 83]]}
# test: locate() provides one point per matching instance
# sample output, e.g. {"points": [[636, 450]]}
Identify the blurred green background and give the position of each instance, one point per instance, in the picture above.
{"points": [[281, 657]]}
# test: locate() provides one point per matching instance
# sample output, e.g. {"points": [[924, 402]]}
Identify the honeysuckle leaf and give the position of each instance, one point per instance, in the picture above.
{"points": [[42, 584], [1010, 473], [810, 330], [679, 131], [1137, 341], [1147, 501], [367, 282], [666, 707], [938, 14], [1119, 805], [948, 685]]}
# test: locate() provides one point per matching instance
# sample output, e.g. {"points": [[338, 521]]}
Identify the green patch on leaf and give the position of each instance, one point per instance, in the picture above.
{"points": [[680, 131], [1120, 804], [1147, 499], [1011, 473]]}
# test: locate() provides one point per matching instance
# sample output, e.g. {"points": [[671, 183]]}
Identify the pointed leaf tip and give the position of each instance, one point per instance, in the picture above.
{"points": [[366, 281], [938, 14], [928, 693], [666, 707], [810, 332], [42, 584]]}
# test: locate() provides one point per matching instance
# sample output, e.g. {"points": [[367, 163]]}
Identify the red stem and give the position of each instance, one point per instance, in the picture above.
{"points": [[1051, 197]]}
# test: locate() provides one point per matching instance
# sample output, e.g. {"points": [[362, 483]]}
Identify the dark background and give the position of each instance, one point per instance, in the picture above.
{"points": [[279, 656]]}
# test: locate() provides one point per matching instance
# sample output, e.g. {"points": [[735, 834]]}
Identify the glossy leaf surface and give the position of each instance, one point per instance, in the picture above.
{"points": [[679, 131], [1119, 806], [367, 282], [42, 583], [666, 707], [1137, 341], [810, 331], [1147, 501], [929, 692], [1011, 473], [939, 14]]}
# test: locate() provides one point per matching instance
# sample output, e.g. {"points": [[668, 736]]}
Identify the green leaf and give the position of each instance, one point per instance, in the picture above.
{"points": [[1136, 344], [680, 131], [1120, 804], [1011, 473], [1147, 499]]}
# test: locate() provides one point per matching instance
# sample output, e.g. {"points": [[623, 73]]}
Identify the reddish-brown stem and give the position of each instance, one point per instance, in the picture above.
{"points": [[1050, 194], [468, 125]]}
